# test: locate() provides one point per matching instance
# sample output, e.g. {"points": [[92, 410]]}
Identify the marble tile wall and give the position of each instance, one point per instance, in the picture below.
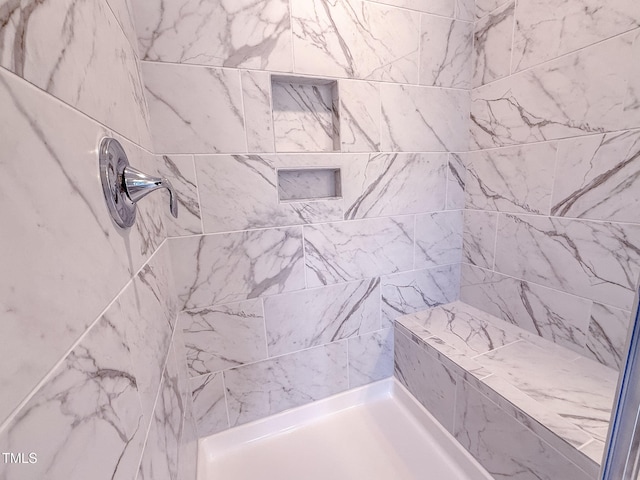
{"points": [[94, 380], [274, 292], [551, 236]]}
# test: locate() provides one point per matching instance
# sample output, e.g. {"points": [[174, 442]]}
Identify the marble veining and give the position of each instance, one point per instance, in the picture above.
{"points": [[479, 238], [359, 116], [209, 404], [445, 52], [243, 33], [299, 320], [456, 179], [223, 268], [370, 357], [257, 99], [355, 39], [394, 184], [598, 177], [222, 337], [438, 239], [347, 251], [492, 44], [607, 336], [599, 261], [514, 179], [181, 170]]}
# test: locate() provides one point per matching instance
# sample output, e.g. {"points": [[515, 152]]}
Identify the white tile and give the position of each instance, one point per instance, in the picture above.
{"points": [[479, 238], [607, 337], [194, 109], [180, 170], [210, 408], [359, 116], [438, 239], [256, 97], [456, 178], [438, 7], [347, 251], [370, 357], [492, 44], [299, 320]]}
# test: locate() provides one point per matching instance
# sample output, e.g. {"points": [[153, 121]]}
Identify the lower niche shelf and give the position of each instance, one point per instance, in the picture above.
{"points": [[295, 185]]}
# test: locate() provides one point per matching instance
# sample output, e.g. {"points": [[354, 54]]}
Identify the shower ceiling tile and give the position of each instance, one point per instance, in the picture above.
{"points": [[573, 95], [194, 109], [598, 177], [418, 119], [359, 116], [446, 49], [394, 184], [305, 319], [223, 337], [242, 33], [546, 29], [223, 268], [517, 179], [557, 316], [355, 39], [271, 386], [438, 239], [347, 251], [253, 203], [410, 292], [590, 259]]}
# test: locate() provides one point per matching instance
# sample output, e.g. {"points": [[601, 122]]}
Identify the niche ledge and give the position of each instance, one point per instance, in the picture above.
{"points": [[304, 184], [305, 114]]}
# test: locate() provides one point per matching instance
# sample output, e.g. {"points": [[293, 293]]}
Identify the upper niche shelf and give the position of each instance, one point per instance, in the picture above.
{"points": [[305, 114]]}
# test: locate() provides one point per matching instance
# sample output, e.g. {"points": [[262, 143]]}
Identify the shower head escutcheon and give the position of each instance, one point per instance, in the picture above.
{"points": [[123, 186]]}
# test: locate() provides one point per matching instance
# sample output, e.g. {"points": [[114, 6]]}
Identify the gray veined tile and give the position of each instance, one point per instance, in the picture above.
{"points": [[484, 7], [271, 386], [438, 239], [394, 184], [465, 10], [438, 7], [590, 259], [244, 33], [225, 268], [549, 28], [557, 316], [195, 109], [577, 94], [359, 116], [256, 97], [514, 179], [370, 357], [299, 320], [424, 119], [355, 39], [607, 337], [347, 251], [598, 177], [456, 178], [124, 14], [492, 44], [446, 50], [413, 291], [478, 246], [181, 170], [209, 404], [225, 336]]}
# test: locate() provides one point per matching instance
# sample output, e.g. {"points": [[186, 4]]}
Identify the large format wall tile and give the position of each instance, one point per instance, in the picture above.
{"points": [[86, 421], [346, 251], [484, 7], [502, 445], [479, 238], [209, 405], [223, 268], [194, 109], [355, 39], [268, 387], [456, 178], [589, 259], [492, 43], [394, 184], [546, 29], [438, 239], [73, 50], [243, 33], [573, 95], [607, 337], [418, 119], [433, 385], [598, 177], [256, 98], [438, 7], [417, 290], [61, 280], [359, 116], [554, 315], [299, 320], [516, 179], [225, 336], [253, 203], [180, 169], [370, 357], [445, 52]]}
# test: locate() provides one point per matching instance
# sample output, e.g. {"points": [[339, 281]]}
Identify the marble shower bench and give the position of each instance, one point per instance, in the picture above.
{"points": [[523, 406]]}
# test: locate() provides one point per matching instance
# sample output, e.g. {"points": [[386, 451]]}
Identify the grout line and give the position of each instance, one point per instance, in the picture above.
{"points": [[244, 111], [226, 400], [555, 179], [195, 173], [264, 327], [346, 340], [513, 36], [496, 349], [495, 242], [420, 23], [304, 258]]}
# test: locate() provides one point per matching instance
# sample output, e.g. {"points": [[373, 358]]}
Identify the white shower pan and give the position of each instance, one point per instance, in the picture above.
{"points": [[376, 432]]}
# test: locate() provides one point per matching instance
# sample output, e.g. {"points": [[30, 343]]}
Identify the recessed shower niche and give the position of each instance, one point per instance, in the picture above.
{"points": [[305, 114], [296, 185]]}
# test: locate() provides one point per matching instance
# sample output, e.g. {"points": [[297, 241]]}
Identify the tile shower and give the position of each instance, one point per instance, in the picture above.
{"points": [[448, 151]]}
